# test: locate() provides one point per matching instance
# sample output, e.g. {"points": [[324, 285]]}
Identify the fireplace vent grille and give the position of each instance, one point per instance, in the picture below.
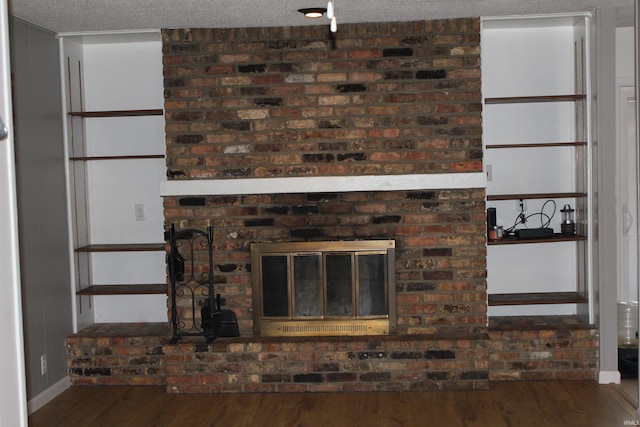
{"points": [[326, 328]]}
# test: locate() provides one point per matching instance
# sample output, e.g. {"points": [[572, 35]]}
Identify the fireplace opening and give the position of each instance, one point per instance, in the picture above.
{"points": [[323, 288]]}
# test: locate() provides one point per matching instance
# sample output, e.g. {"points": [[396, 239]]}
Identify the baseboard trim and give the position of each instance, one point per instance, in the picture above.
{"points": [[609, 377], [48, 395]]}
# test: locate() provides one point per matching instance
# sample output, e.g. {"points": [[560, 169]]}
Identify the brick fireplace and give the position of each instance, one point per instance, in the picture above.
{"points": [[297, 105], [377, 99]]}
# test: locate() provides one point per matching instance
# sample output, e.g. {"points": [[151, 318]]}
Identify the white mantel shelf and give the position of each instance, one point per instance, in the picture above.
{"points": [[323, 184]]}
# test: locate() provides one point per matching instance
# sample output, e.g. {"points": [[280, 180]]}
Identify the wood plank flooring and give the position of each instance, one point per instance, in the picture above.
{"points": [[508, 404]]}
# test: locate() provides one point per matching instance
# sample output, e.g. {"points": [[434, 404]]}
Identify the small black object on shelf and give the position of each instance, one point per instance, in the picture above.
{"points": [[534, 233]]}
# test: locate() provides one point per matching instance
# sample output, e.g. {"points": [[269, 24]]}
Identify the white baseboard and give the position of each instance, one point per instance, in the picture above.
{"points": [[609, 377], [48, 395]]}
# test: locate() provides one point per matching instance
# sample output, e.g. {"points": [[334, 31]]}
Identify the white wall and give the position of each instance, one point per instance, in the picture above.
{"points": [[625, 58], [121, 76]]}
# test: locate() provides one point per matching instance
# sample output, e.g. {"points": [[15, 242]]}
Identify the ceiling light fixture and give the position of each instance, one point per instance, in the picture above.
{"points": [[331, 14], [313, 12]]}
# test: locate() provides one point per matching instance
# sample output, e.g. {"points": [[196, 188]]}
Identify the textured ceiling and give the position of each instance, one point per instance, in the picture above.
{"points": [[107, 15]]}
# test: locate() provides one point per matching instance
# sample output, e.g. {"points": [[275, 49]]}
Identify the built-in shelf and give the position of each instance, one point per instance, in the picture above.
{"points": [[123, 247], [539, 125], [518, 196], [530, 99], [117, 113], [138, 289], [555, 239], [115, 121], [536, 298], [132, 157], [538, 145]]}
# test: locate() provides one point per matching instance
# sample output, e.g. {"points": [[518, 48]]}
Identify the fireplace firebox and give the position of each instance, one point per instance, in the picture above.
{"points": [[339, 288]]}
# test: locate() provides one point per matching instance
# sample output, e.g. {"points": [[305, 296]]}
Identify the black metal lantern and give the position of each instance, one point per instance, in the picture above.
{"points": [[568, 224]]}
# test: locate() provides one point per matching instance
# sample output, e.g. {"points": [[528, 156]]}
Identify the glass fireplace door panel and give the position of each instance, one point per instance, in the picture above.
{"points": [[339, 287], [372, 292], [275, 286], [307, 284]]}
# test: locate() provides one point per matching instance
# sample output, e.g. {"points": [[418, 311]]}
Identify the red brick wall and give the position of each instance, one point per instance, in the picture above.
{"points": [[384, 98]]}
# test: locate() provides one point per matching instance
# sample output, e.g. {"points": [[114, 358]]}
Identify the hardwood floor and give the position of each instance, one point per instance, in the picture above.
{"points": [[509, 404]]}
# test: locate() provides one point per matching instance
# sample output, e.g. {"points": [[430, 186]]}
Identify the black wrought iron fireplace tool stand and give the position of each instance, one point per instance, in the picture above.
{"points": [[192, 289]]}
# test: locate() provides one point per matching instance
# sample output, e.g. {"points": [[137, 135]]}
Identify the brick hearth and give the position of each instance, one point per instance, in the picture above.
{"points": [[328, 364], [540, 348], [118, 354]]}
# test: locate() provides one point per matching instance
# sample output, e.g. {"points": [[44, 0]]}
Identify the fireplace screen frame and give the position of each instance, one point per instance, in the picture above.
{"points": [[323, 324]]}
